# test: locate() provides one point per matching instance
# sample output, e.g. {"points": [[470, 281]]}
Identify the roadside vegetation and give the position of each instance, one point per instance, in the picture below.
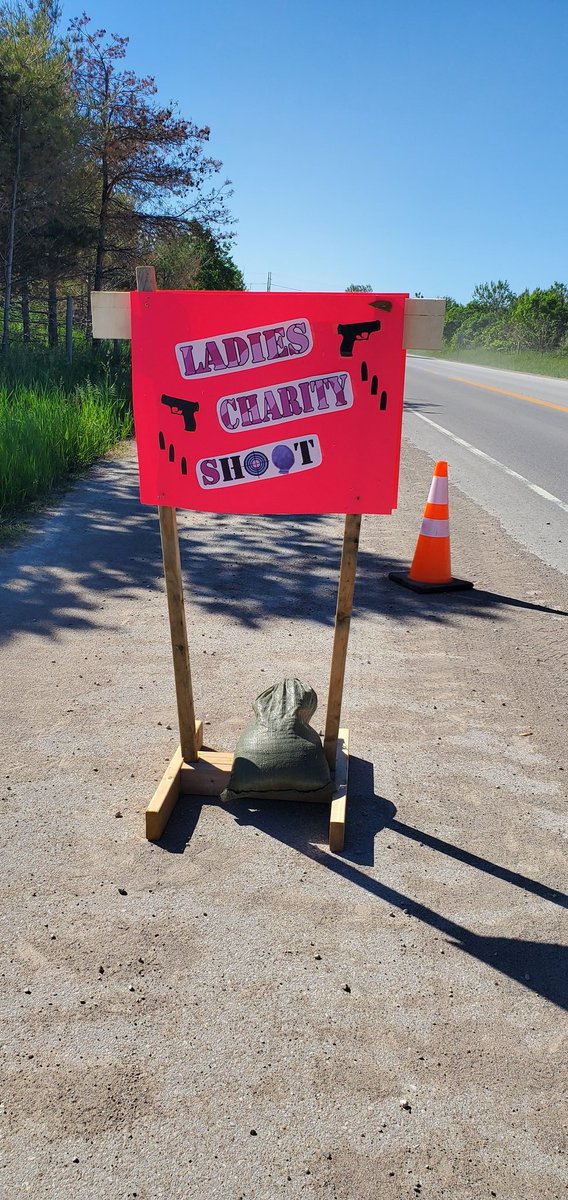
{"points": [[96, 177], [496, 328], [55, 420]]}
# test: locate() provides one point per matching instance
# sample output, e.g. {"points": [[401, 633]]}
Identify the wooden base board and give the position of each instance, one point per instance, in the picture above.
{"points": [[165, 797], [209, 775]]}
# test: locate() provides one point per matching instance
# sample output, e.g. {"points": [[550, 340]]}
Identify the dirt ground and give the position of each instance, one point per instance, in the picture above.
{"points": [[235, 1013]]}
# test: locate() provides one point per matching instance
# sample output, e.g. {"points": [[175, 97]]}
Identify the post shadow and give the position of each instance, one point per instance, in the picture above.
{"points": [[542, 967]]}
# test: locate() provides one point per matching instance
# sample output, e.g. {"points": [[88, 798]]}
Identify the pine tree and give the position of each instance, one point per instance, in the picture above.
{"points": [[153, 175], [34, 128]]}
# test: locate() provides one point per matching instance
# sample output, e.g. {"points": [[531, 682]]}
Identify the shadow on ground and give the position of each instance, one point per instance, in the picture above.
{"points": [[103, 546], [542, 967]]}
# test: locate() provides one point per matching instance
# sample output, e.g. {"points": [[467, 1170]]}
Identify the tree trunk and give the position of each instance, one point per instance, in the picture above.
{"points": [[12, 233], [88, 329], [102, 230], [69, 329], [26, 327], [52, 332], [99, 262]]}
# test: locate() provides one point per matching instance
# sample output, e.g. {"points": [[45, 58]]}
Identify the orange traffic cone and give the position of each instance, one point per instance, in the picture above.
{"points": [[431, 568]]}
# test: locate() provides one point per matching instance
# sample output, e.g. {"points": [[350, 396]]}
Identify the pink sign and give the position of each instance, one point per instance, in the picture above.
{"points": [[251, 402]]}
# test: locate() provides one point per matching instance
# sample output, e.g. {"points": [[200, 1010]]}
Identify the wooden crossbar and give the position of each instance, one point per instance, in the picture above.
{"points": [[423, 318]]}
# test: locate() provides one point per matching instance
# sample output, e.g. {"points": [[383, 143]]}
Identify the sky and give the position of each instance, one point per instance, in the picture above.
{"points": [[417, 147]]}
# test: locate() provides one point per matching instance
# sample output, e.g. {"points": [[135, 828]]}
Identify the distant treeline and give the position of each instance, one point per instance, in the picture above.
{"points": [[95, 177], [497, 319]]}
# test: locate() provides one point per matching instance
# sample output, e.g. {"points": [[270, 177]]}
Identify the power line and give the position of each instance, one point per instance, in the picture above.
{"points": [[252, 283]]}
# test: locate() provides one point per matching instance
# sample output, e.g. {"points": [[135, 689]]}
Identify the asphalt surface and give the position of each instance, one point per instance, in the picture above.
{"points": [[234, 1013], [505, 435]]}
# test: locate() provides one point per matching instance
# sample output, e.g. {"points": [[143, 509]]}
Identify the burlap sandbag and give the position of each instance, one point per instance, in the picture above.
{"points": [[279, 755]]}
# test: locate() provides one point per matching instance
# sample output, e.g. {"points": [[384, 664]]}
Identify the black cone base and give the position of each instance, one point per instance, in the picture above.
{"points": [[453, 585]]}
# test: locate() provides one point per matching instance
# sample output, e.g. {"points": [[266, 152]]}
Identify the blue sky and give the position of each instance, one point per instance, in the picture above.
{"points": [[416, 147]]}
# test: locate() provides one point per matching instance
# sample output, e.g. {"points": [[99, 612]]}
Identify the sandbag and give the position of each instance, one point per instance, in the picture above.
{"points": [[279, 755]]}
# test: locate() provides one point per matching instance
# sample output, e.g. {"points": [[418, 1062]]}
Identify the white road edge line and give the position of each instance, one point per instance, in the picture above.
{"points": [[494, 461]]}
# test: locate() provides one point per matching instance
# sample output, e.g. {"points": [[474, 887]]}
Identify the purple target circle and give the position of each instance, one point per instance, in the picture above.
{"points": [[256, 463]]}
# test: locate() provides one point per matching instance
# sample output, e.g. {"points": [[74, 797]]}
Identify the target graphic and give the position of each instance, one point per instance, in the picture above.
{"points": [[256, 463]]}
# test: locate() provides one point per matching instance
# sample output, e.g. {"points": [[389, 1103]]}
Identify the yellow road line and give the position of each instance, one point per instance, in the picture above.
{"points": [[502, 391]]}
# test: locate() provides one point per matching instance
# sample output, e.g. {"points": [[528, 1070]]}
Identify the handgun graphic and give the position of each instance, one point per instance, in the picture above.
{"points": [[183, 408], [359, 331]]}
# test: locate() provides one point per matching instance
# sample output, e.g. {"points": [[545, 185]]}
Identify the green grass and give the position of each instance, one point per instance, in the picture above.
{"points": [[54, 422], [534, 362]]}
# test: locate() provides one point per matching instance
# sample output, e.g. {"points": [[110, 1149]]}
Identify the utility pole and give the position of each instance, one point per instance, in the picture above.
{"points": [[269, 281]]}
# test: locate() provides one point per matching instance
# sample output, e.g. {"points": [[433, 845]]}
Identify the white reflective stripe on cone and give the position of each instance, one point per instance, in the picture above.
{"points": [[432, 528], [438, 493]]}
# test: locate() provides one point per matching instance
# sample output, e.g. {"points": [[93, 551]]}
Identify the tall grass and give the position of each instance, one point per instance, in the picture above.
{"points": [[55, 422], [534, 362]]}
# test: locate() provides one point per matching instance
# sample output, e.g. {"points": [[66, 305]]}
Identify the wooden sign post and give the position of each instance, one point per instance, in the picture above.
{"points": [[253, 428]]}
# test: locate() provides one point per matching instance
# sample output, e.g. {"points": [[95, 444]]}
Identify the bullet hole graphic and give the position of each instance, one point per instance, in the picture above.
{"points": [[374, 387], [171, 454], [184, 466], [162, 441]]}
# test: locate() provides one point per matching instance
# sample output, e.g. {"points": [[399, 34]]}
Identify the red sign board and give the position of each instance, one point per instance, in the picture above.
{"points": [[251, 402]]}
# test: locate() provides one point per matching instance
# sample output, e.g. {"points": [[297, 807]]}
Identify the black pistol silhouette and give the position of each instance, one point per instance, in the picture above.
{"points": [[183, 408], [359, 331]]}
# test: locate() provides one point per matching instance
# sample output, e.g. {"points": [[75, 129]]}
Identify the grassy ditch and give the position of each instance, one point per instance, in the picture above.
{"points": [[54, 422], [534, 362]]}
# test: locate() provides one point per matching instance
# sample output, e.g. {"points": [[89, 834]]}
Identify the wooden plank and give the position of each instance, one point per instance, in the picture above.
{"points": [[341, 635], [208, 776], [146, 279], [339, 802], [423, 324], [423, 318], [166, 795], [164, 799], [178, 632], [146, 282], [198, 735], [110, 315]]}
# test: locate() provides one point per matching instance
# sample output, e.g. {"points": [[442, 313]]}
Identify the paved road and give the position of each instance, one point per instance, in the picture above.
{"points": [[505, 435]]}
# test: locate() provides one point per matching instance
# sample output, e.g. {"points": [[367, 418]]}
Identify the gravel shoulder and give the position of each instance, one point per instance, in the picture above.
{"points": [[234, 1013]]}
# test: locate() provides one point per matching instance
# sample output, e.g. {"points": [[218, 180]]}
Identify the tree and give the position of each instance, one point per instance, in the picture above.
{"points": [[34, 106], [196, 260], [493, 296], [540, 318], [153, 175], [217, 271], [359, 287]]}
